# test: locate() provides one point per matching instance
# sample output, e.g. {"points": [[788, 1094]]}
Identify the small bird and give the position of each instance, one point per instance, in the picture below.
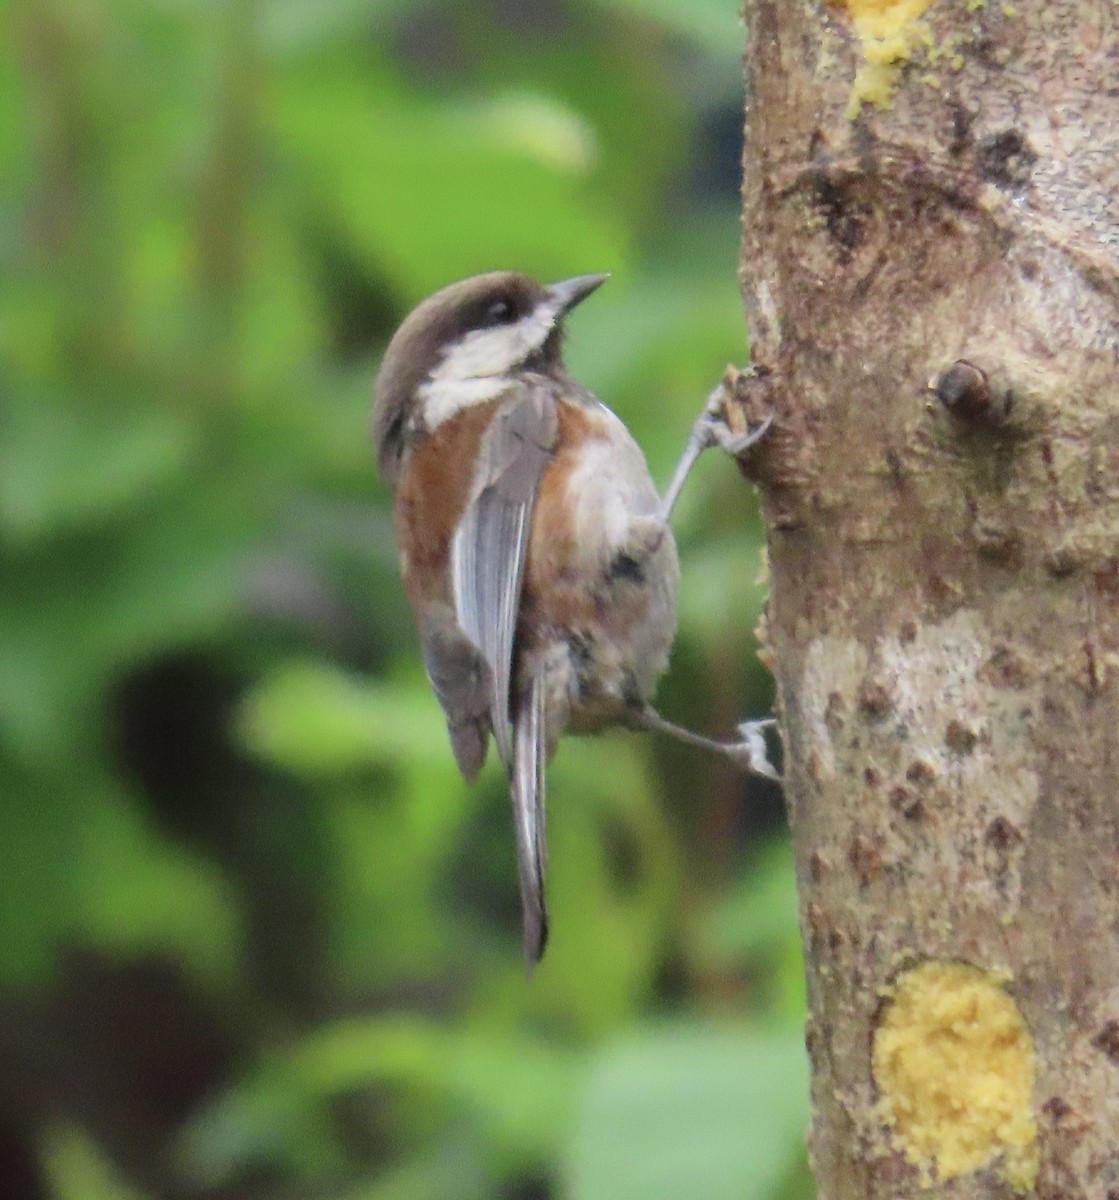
{"points": [[534, 548]]}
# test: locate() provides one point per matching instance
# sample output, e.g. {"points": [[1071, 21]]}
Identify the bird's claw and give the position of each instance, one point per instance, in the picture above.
{"points": [[738, 443], [716, 430], [750, 753]]}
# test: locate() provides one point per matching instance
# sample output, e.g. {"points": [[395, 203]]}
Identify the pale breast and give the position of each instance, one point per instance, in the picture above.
{"points": [[600, 589], [608, 486]]}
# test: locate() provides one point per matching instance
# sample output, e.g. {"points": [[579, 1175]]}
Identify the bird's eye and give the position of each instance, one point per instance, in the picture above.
{"points": [[500, 312]]}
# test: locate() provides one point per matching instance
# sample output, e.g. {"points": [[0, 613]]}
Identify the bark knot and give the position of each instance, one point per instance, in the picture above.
{"points": [[1006, 159], [1107, 1040], [968, 393]]}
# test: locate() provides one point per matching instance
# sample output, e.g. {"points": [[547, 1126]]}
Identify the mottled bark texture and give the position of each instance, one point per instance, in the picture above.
{"points": [[932, 194]]}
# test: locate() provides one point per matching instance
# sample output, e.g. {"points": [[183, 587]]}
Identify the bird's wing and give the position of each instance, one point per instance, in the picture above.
{"points": [[462, 681], [491, 543], [488, 562]]}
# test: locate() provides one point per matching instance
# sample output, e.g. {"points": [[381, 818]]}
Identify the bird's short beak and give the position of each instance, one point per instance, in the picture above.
{"points": [[570, 292]]}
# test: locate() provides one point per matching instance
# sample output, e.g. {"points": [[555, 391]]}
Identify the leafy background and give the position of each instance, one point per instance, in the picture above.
{"points": [[257, 939]]}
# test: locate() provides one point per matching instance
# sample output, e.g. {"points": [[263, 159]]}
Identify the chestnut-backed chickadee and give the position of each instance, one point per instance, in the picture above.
{"points": [[535, 550]]}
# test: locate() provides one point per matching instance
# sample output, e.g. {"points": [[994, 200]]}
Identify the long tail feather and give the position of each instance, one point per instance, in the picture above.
{"points": [[527, 786]]}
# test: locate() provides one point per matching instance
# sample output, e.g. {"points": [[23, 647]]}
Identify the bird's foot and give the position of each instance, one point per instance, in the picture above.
{"points": [[714, 423], [750, 751]]}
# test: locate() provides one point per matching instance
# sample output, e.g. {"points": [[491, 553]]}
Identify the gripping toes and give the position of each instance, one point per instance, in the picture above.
{"points": [[717, 431]]}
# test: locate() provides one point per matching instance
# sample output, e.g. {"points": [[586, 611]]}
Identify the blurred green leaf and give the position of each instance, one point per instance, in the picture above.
{"points": [[755, 930], [714, 26], [546, 131], [389, 913], [521, 1087], [61, 468], [143, 895], [760, 913], [274, 1128], [77, 1168], [423, 195], [40, 836], [453, 1170], [295, 25], [615, 884], [517, 1090], [686, 1111], [316, 720], [87, 607], [718, 600]]}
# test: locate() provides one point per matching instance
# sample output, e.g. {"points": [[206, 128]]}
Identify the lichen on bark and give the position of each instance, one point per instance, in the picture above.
{"points": [[954, 1067]]}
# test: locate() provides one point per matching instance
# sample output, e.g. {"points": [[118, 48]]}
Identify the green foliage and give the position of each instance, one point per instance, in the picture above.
{"points": [[688, 1111], [257, 937], [77, 1169], [516, 1091]]}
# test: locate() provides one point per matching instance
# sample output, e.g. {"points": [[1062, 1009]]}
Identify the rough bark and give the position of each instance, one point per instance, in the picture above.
{"points": [[944, 611]]}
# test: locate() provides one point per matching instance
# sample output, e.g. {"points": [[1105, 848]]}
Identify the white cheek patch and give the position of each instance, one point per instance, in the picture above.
{"points": [[497, 350], [441, 399], [476, 368]]}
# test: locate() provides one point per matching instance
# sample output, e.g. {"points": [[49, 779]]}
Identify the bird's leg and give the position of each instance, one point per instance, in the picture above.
{"points": [[749, 752], [710, 429]]}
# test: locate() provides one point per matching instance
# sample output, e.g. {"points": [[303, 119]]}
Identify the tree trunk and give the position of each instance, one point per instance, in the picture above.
{"points": [[931, 271]]}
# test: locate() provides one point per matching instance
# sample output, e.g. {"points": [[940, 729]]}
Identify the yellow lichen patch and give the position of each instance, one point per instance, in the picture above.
{"points": [[954, 1065], [890, 32]]}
